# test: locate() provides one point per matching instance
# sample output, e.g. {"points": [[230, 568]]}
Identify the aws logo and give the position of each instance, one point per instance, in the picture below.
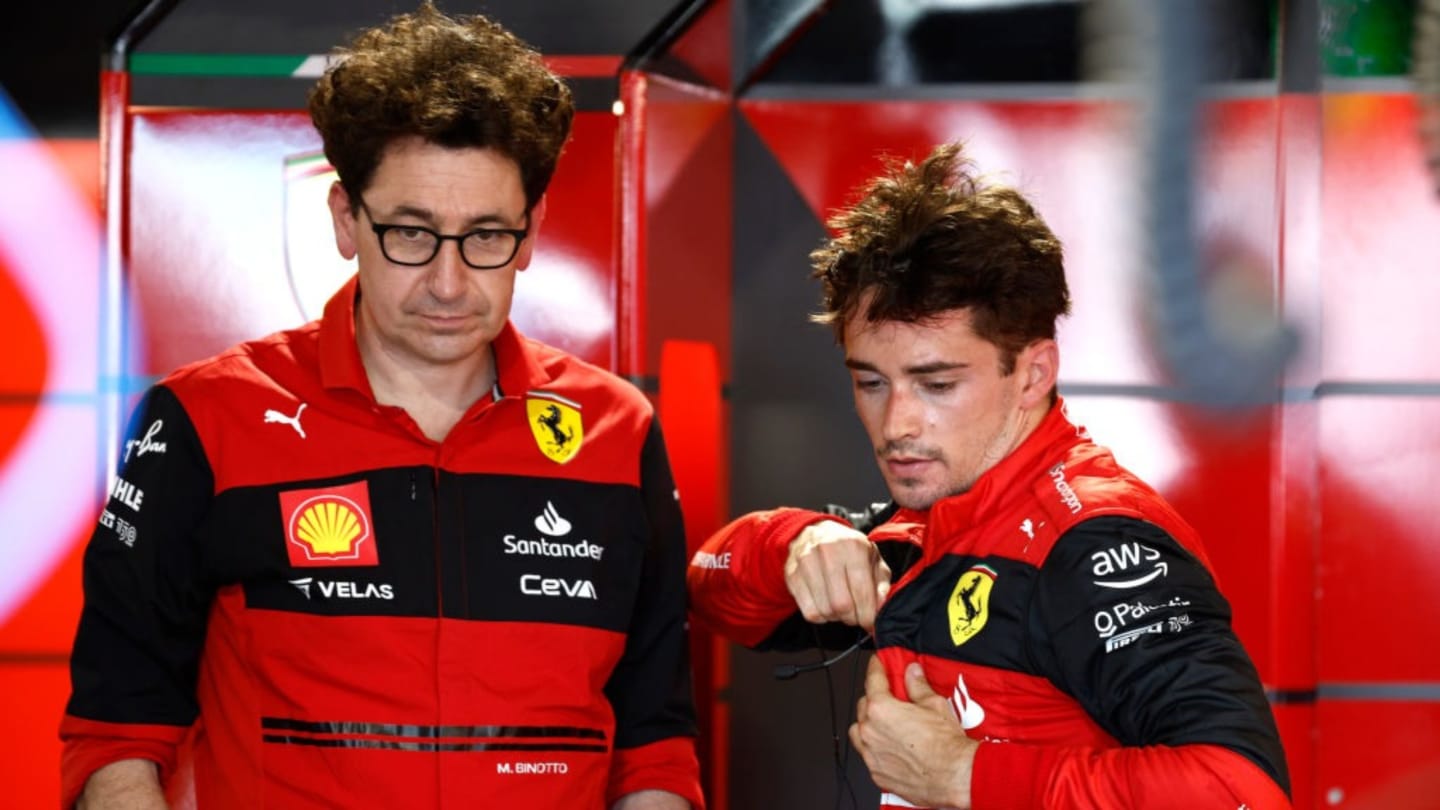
{"points": [[555, 422], [969, 605], [329, 526]]}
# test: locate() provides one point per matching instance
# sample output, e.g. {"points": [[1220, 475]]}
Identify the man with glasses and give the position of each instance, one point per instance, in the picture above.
{"points": [[401, 556]]}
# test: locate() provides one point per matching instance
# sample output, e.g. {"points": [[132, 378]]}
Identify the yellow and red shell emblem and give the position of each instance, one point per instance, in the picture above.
{"points": [[329, 526]]}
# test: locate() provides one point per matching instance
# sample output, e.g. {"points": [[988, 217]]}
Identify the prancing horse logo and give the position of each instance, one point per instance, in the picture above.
{"points": [[969, 604], [555, 422], [552, 418]]}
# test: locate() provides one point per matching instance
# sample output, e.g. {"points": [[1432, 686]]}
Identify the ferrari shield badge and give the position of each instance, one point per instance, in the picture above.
{"points": [[555, 421], [969, 604]]}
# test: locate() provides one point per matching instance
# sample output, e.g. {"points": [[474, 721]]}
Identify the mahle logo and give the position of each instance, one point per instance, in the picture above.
{"points": [[329, 526]]}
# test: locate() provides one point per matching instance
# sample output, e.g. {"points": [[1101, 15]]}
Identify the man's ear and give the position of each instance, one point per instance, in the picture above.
{"points": [[527, 248], [1039, 367], [343, 218]]}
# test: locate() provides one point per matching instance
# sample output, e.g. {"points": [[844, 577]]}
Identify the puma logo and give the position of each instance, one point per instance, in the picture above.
{"points": [[274, 416]]}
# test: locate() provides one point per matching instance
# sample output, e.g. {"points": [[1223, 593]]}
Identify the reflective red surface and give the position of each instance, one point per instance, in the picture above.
{"points": [[1318, 515], [230, 241]]}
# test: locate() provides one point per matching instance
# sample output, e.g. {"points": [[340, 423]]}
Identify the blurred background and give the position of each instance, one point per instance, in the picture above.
{"points": [[1252, 230]]}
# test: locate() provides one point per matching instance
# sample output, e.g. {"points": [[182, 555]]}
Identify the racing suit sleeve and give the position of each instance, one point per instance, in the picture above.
{"points": [[737, 578], [135, 661], [650, 689], [1131, 624]]}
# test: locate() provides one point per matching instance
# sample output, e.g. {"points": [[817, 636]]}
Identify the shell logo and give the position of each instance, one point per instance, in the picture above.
{"points": [[329, 526]]}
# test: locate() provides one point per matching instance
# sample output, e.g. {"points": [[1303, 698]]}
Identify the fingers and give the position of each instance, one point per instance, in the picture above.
{"points": [[916, 684], [860, 584], [858, 742], [835, 573], [807, 584], [871, 592], [877, 684]]}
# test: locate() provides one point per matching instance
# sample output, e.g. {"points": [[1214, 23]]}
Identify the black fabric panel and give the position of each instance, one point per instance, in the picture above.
{"points": [[579, 566], [462, 546], [650, 689], [918, 616], [245, 535], [1131, 625], [137, 650]]}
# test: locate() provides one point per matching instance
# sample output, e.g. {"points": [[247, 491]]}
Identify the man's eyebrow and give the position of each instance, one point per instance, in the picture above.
{"points": [[428, 216], [924, 368], [489, 219], [935, 368]]}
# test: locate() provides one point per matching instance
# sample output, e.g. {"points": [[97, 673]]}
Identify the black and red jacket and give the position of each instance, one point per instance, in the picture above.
{"points": [[1070, 616], [359, 616]]}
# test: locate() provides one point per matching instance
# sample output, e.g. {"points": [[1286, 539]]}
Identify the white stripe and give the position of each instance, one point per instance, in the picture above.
{"points": [[547, 395], [891, 800], [314, 66]]}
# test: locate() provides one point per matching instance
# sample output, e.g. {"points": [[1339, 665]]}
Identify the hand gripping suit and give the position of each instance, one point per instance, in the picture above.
{"points": [[1070, 616]]}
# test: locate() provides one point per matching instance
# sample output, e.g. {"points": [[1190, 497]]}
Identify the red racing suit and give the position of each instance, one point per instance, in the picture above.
{"points": [[1070, 616], [359, 616]]}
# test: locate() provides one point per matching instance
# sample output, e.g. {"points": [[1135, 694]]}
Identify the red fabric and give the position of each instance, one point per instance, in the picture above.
{"points": [[91, 745], [668, 765], [1013, 776]]}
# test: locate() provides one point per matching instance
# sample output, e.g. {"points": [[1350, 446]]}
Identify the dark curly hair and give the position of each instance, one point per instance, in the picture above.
{"points": [[457, 82], [927, 239]]}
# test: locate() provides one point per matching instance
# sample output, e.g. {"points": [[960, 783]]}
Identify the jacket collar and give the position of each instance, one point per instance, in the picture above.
{"points": [[1014, 475]]}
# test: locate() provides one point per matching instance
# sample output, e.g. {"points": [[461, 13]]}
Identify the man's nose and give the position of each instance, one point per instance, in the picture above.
{"points": [[903, 416], [448, 273]]}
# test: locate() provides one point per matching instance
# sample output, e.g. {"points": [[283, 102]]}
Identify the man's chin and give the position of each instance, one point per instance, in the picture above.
{"points": [[913, 495], [444, 352]]}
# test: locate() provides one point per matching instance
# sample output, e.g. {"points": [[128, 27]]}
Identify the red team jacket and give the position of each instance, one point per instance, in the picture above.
{"points": [[361, 617], [1070, 616]]}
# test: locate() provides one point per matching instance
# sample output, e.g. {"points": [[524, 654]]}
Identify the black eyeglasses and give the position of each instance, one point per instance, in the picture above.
{"points": [[414, 245]]}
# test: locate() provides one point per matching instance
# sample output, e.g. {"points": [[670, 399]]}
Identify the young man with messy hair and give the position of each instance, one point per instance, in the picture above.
{"points": [[1052, 637], [401, 556]]}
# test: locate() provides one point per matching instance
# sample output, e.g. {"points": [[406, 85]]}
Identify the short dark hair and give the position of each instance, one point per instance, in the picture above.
{"points": [[928, 239], [457, 82]]}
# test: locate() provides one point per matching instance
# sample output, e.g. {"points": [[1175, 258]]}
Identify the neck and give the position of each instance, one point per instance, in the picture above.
{"points": [[1013, 434], [427, 391]]}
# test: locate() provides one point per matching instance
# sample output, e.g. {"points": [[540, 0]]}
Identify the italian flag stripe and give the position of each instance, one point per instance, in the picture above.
{"points": [[228, 64]]}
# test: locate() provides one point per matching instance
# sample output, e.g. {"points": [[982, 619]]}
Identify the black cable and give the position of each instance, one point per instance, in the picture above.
{"points": [[837, 748], [840, 748], [845, 747], [785, 672]]}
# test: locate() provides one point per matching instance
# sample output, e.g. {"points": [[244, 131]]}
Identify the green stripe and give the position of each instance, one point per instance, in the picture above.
{"points": [[215, 64]]}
